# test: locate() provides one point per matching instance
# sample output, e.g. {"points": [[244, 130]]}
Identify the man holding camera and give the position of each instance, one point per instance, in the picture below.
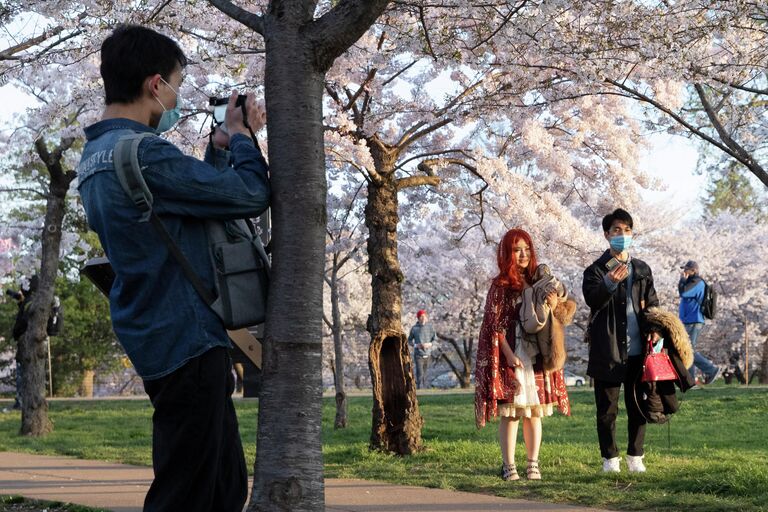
{"points": [[176, 342]]}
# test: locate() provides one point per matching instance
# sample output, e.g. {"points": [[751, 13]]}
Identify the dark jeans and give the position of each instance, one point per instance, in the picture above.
{"points": [[421, 364], [607, 402], [196, 451]]}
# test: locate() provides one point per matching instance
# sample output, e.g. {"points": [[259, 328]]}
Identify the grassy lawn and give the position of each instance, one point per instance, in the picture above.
{"points": [[21, 504], [712, 458]]}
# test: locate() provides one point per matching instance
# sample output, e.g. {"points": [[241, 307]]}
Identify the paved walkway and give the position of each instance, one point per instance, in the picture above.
{"points": [[121, 488]]}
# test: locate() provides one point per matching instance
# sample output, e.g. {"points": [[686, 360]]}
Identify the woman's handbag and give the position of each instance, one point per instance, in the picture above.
{"points": [[657, 366]]}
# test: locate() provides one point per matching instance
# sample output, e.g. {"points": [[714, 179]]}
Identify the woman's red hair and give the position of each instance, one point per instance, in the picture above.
{"points": [[509, 274]]}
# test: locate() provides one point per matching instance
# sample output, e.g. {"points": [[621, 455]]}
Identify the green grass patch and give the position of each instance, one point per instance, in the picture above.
{"points": [[711, 458], [22, 504]]}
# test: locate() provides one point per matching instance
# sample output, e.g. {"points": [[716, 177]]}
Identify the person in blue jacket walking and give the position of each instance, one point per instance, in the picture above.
{"points": [[691, 288]]}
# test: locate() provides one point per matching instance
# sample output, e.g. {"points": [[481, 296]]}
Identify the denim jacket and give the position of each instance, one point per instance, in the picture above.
{"points": [[157, 315]]}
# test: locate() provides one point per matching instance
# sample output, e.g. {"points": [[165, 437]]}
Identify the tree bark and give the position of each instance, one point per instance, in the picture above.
{"points": [[396, 423], [288, 473], [341, 394], [764, 363], [86, 386], [34, 409]]}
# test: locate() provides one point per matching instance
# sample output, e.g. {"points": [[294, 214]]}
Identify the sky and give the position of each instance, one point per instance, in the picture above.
{"points": [[672, 159]]}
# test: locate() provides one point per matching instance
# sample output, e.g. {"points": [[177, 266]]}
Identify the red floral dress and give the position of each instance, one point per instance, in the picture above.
{"points": [[498, 388]]}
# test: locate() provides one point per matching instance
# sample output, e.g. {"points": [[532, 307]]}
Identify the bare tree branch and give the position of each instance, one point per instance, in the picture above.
{"points": [[401, 71], [8, 53], [426, 32], [426, 165], [432, 153], [762, 92], [157, 11], [340, 27], [504, 21], [416, 181], [353, 98], [748, 162], [422, 133], [22, 189], [741, 154], [253, 21]]}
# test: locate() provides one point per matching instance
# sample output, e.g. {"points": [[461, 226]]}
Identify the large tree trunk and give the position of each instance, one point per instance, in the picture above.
{"points": [[338, 374], [299, 50], [764, 363], [34, 409], [396, 425], [288, 473]]}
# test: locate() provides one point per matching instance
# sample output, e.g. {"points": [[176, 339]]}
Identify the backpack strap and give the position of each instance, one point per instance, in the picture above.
{"points": [[126, 160]]}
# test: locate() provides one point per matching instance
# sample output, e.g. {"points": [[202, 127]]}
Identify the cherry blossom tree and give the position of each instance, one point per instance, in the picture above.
{"points": [[698, 65], [343, 259]]}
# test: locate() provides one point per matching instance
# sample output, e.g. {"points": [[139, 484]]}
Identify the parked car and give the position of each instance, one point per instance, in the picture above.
{"points": [[571, 379]]}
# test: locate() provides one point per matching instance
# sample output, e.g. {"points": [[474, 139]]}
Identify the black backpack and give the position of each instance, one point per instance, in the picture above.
{"points": [[709, 303]]}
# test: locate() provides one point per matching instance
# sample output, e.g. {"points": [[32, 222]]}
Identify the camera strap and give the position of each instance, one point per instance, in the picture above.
{"points": [[129, 174]]}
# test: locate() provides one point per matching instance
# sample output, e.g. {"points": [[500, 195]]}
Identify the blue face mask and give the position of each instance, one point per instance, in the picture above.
{"points": [[621, 243], [169, 117]]}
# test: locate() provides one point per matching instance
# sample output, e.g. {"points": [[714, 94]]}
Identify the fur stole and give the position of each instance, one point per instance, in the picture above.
{"points": [[561, 316], [674, 331]]}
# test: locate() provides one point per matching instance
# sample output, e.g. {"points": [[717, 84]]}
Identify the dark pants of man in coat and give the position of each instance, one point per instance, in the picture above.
{"points": [[607, 401]]}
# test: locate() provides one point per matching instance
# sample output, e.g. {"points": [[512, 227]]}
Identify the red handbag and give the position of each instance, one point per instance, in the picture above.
{"points": [[657, 366]]}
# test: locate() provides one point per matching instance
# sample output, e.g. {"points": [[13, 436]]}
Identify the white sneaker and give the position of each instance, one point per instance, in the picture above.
{"points": [[635, 464], [611, 465]]}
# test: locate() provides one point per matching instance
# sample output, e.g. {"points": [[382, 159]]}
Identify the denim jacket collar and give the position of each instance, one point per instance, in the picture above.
{"points": [[117, 123]]}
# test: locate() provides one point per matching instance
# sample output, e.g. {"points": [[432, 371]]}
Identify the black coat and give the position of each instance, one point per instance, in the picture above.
{"points": [[607, 329]]}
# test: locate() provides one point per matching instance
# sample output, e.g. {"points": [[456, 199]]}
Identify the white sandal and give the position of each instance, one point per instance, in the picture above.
{"points": [[532, 472], [509, 472]]}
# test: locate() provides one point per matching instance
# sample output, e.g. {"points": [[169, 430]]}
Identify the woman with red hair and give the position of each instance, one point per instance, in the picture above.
{"points": [[509, 382]]}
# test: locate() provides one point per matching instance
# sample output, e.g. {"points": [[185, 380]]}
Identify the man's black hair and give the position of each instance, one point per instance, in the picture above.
{"points": [[618, 214], [131, 54]]}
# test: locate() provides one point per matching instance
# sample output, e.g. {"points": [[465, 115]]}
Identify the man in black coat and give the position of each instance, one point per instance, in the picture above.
{"points": [[618, 289]]}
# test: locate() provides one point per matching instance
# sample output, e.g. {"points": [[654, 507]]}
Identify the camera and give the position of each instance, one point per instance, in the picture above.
{"points": [[17, 296], [220, 106]]}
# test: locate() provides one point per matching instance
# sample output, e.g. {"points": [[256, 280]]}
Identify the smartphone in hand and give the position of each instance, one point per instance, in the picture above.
{"points": [[612, 264]]}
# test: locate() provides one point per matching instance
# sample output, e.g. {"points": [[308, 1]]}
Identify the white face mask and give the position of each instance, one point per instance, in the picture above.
{"points": [[169, 117]]}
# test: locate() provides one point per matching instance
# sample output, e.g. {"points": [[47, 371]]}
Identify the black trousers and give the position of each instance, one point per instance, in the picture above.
{"points": [[197, 455], [607, 402]]}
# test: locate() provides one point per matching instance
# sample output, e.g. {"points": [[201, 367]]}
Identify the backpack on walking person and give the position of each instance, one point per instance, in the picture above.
{"points": [[709, 302]]}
